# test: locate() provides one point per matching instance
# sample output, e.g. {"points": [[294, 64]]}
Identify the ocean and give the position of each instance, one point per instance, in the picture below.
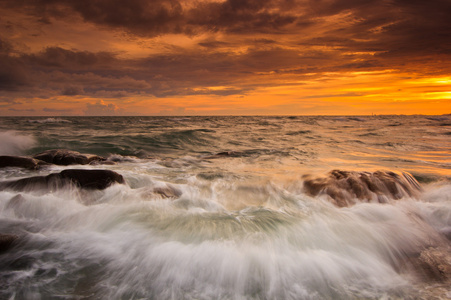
{"points": [[258, 207]]}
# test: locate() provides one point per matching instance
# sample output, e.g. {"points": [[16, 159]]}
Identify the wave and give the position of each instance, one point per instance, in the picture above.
{"points": [[127, 248], [181, 139], [49, 120], [15, 143]]}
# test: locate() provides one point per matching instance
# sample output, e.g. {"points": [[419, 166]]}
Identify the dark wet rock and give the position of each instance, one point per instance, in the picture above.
{"points": [[227, 154], [92, 179], [67, 157], [87, 179], [20, 162], [244, 153], [347, 187], [6, 241]]}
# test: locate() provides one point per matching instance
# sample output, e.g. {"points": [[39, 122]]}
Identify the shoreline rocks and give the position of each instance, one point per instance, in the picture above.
{"points": [[82, 178], [345, 187], [65, 157], [20, 162], [61, 157]]}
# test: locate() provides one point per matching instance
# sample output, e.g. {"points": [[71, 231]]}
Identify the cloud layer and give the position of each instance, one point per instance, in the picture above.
{"points": [[167, 48]]}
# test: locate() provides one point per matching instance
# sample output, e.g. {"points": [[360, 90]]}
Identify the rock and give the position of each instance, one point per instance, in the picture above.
{"points": [[430, 264], [225, 154], [6, 241], [20, 161], [346, 187], [162, 191], [436, 263], [87, 179], [92, 179], [168, 192], [67, 157], [230, 153]]}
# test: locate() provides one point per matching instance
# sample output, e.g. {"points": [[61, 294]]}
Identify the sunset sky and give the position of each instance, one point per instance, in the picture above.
{"points": [[233, 57]]}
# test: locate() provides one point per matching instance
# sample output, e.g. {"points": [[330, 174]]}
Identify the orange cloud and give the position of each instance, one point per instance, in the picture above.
{"points": [[224, 57]]}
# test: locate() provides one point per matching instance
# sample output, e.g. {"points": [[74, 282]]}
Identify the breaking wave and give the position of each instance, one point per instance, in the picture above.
{"points": [[15, 143]]}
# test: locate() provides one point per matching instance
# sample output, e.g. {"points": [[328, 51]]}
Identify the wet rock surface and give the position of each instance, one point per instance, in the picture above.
{"points": [[20, 162], [87, 179], [67, 157], [436, 263], [344, 188], [6, 241], [167, 192]]}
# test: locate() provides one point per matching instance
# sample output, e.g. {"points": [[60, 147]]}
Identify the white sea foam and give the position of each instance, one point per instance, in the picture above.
{"points": [[161, 249], [15, 143], [49, 120]]}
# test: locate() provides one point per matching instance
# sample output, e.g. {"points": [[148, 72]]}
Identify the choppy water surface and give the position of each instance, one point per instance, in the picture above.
{"points": [[191, 224]]}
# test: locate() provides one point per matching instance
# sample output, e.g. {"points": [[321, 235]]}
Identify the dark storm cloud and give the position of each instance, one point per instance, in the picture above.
{"points": [[168, 16], [395, 27], [138, 16], [249, 16], [61, 58], [59, 111], [72, 91], [13, 73], [389, 26], [72, 73], [22, 110], [5, 47]]}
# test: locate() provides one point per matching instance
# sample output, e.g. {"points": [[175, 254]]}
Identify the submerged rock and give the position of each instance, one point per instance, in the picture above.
{"points": [[430, 264], [244, 153], [88, 179], [436, 263], [20, 161], [346, 187], [6, 241], [168, 192], [68, 157], [225, 154]]}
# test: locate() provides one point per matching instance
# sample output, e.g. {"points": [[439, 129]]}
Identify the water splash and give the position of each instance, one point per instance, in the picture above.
{"points": [[15, 143]]}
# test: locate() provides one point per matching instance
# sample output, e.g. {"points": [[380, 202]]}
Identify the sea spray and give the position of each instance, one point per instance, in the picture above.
{"points": [[15, 143]]}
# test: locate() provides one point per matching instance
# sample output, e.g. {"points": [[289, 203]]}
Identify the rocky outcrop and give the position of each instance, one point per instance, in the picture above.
{"points": [[345, 188], [6, 241], [20, 162], [87, 179], [67, 157]]}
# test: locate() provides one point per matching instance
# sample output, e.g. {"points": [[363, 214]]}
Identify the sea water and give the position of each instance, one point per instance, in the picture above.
{"points": [[192, 224]]}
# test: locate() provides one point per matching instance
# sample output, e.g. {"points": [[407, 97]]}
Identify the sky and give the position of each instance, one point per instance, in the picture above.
{"points": [[224, 57]]}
